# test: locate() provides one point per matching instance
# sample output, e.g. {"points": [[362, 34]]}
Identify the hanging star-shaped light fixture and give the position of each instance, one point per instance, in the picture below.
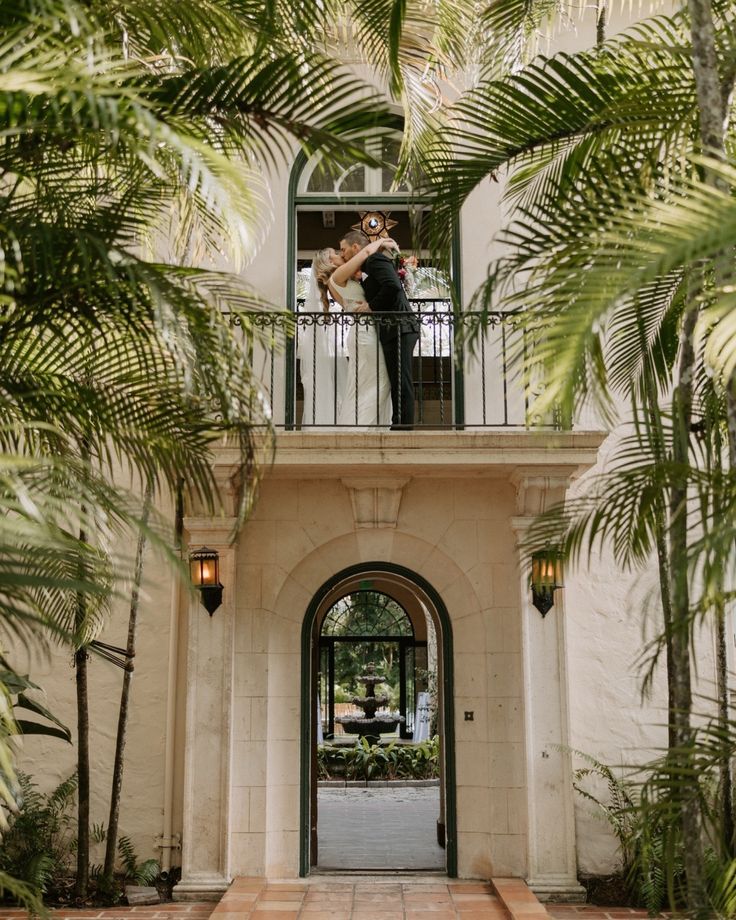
{"points": [[375, 224]]}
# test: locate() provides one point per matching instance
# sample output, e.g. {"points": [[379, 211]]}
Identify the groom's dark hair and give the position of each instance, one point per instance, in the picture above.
{"points": [[355, 236]]}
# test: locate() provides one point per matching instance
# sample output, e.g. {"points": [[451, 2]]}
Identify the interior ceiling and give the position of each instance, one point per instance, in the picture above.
{"points": [[313, 235]]}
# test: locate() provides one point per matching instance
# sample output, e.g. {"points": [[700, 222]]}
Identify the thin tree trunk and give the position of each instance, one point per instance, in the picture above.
{"points": [[725, 778], [714, 96], [680, 756], [664, 585], [117, 774], [707, 78], [656, 436], [81, 887], [601, 21]]}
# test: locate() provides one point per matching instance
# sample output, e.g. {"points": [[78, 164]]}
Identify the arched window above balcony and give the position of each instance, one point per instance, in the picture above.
{"points": [[323, 177]]}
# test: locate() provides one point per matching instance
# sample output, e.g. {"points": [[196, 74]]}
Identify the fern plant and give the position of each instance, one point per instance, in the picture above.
{"points": [[645, 848], [144, 873], [39, 844]]}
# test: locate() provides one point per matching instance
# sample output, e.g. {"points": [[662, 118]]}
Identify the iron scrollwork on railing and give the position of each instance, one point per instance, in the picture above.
{"points": [[324, 369]]}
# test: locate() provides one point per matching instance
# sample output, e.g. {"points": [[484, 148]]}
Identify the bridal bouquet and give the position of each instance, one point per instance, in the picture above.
{"points": [[406, 266]]}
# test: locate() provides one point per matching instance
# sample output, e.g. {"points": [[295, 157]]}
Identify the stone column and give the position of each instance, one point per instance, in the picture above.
{"points": [[552, 858], [205, 873]]}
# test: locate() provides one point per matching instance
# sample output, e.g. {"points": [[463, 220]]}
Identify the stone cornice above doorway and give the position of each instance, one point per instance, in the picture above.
{"points": [[375, 502]]}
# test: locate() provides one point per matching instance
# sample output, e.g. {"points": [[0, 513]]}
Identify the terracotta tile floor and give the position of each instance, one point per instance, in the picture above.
{"points": [[360, 899], [192, 911], [364, 899], [591, 912]]}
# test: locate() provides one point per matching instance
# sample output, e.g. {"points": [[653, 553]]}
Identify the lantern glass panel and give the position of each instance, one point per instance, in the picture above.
{"points": [[546, 572], [204, 567], [209, 572]]}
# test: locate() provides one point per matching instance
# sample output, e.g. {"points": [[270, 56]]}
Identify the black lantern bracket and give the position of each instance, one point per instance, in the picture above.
{"points": [[204, 565]]}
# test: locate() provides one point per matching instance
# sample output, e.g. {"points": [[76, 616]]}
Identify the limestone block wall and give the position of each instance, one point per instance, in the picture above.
{"points": [[457, 535]]}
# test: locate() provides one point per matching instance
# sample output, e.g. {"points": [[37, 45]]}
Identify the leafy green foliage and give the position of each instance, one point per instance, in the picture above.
{"points": [[39, 844], [141, 873], [39, 847], [641, 842], [17, 686], [392, 761]]}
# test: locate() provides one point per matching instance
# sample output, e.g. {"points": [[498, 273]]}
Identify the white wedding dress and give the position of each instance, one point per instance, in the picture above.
{"points": [[366, 398]]}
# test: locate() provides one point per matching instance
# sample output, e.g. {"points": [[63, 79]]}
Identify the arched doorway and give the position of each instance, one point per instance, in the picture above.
{"points": [[324, 201], [386, 603]]}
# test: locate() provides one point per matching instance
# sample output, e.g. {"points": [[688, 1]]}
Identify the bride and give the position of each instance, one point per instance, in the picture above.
{"points": [[365, 399]]}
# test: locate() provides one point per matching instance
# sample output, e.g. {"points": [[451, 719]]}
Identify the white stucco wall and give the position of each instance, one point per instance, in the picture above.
{"points": [[49, 760]]}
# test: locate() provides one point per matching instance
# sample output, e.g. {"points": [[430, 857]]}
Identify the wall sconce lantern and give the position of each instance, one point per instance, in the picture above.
{"points": [[204, 565], [546, 576]]}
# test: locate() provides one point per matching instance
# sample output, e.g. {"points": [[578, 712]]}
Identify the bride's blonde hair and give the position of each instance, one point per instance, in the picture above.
{"points": [[323, 268]]}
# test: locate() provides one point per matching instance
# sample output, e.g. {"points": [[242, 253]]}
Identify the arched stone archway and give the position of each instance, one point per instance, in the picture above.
{"points": [[382, 576]]}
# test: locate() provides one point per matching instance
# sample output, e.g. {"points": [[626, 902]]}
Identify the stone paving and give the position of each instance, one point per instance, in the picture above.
{"points": [[379, 828], [362, 899]]}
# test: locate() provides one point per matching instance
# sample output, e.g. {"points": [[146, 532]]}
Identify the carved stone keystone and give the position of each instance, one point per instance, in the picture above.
{"points": [[375, 501]]}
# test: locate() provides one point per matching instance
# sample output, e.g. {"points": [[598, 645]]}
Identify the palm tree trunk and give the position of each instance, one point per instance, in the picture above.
{"points": [[707, 78], [713, 107], [655, 434], [714, 96], [601, 20], [117, 774], [683, 735], [725, 778], [664, 590], [81, 887]]}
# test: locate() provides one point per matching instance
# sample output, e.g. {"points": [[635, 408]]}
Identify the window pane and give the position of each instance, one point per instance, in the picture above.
{"points": [[367, 613], [325, 178], [352, 181], [390, 156]]}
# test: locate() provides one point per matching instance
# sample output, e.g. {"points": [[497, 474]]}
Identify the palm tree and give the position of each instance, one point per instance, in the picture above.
{"points": [[616, 254], [126, 132]]}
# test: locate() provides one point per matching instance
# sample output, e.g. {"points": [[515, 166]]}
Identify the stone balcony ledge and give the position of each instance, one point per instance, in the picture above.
{"points": [[499, 453]]}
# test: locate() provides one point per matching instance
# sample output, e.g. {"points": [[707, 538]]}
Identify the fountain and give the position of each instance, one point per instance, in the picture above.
{"points": [[369, 725]]}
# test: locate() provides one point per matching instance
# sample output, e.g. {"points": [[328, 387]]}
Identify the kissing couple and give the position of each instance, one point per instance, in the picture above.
{"points": [[369, 381]]}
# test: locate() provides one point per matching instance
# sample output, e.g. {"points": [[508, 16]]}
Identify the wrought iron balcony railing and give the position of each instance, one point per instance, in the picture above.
{"points": [[324, 370]]}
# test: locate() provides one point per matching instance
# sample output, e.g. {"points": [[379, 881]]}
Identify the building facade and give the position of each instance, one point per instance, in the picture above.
{"points": [[220, 776]]}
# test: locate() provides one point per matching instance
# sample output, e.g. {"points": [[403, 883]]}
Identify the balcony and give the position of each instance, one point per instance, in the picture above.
{"points": [[303, 363]]}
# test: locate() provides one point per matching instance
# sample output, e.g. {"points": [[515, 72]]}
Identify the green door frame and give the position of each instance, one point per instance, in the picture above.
{"points": [[294, 200], [307, 705]]}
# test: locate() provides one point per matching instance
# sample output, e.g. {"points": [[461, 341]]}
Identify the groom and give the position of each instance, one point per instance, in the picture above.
{"points": [[398, 334]]}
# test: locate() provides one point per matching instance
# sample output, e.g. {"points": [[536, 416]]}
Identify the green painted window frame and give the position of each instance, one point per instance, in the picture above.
{"points": [[294, 200]]}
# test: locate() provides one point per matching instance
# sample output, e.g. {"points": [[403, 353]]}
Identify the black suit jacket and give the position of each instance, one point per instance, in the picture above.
{"points": [[385, 294]]}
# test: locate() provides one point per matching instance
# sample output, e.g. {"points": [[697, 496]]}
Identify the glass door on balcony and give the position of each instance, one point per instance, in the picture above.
{"points": [[327, 201]]}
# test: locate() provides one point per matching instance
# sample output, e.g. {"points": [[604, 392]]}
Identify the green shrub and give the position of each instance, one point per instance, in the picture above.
{"points": [[365, 761], [40, 843], [40, 846]]}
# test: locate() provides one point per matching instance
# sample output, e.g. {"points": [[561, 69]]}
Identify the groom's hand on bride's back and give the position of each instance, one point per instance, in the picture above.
{"points": [[362, 307]]}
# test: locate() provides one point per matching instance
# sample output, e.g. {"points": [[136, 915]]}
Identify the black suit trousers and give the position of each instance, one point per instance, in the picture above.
{"points": [[398, 351]]}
